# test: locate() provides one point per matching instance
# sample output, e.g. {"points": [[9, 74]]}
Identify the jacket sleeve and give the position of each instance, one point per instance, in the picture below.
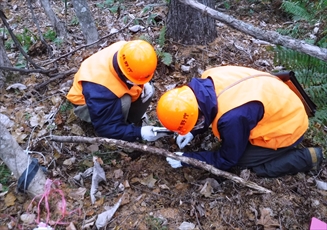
{"points": [[106, 113], [234, 128]]}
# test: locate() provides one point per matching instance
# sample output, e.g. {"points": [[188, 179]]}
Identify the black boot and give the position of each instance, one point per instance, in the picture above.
{"points": [[317, 158]]}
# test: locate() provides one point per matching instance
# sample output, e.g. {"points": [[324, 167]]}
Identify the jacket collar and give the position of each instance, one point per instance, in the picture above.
{"points": [[205, 93], [119, 72]]}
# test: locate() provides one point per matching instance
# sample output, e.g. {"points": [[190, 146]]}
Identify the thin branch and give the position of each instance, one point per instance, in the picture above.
{"points": [[38, 27], [87, 45], [47, 72], [162, 152], [14, 38], [27, 71], [56, 77]]}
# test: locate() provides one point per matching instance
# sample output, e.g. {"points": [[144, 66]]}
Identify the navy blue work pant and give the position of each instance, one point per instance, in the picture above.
{"points": [[274, 163]]}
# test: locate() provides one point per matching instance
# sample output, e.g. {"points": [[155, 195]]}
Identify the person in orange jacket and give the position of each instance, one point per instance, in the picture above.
{"points": [[256, 116], [112, 90]]}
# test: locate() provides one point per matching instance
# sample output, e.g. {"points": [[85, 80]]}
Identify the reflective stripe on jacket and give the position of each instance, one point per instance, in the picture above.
{"points": [[99, 69], [284, 120]]}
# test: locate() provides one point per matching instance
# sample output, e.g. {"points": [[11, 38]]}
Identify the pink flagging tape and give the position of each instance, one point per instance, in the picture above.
{"points": [[317, 224]]}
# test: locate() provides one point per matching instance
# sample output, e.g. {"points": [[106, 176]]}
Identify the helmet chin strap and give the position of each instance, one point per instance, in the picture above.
{"points": [[200, 122], [130, 82], [120, 73]]}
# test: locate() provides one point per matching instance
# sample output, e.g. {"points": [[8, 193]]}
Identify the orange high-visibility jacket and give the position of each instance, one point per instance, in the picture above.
{"points": [[99, 69], [284, 120]]}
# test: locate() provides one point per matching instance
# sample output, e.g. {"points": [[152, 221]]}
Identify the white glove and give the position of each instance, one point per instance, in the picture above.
{"points": [[175, 163], [147, 92], [148, 135], [183, 140]]}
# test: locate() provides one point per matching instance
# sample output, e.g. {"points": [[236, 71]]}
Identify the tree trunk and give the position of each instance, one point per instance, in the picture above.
{"points": [[16, 160], [4, 61], [189, 26], [56, 23], [86, 21]]}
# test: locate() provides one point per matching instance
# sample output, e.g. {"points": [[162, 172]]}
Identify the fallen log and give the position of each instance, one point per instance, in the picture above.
{"points": [[260, 33], [18, 161], [162, 152]]}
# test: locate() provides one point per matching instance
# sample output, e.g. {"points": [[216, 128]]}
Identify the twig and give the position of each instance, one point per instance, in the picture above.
{"points": [[58, 76], [87, 45], [14, 38], [162, 152], [38, 27], [197, 220], [44, 71], [27, 71]]}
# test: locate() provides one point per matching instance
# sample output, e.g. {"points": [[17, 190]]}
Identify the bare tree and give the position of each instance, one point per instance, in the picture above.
{"points": [[4, 61], [86, 21], [189, 26], [58, 25]]}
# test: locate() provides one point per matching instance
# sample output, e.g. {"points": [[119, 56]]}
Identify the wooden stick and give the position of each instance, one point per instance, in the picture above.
{"points": [[162, 152]]}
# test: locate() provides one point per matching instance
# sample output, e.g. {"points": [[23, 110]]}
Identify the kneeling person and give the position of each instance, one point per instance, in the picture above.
{"points": [[256, 116]]}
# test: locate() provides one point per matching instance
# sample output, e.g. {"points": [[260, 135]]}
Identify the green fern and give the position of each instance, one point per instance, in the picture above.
{"points": [[306, 14], [165, 57], [312, 74], [146, 38], [297, 10], [162, 36]]}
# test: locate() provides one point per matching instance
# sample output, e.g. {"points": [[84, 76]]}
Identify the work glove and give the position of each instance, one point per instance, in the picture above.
{"points": [[175, 163], [148, 135], [147, 92], [183, 140]]}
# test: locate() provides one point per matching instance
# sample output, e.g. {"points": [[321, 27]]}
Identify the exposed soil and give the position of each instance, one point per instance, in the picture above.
{"points": [[155, 196]]}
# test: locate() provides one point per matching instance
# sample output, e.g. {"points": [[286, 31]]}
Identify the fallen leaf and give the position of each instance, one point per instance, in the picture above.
{"points": [[69, 161], [98, 176], [27, 218], [206, 190], [118, 173], [106, 216], [93, 148], [10, 199], [164, 186], [77, 130], [58, 119], [213, 183], [148, 181], [186, 226], [126, 184], [321, 185], [77, 194], [18, 86], [71, 226], [245, 174], [266, 221], [182, 186]]}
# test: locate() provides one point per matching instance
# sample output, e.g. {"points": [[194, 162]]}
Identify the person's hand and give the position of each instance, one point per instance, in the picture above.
{"points": [[148, 91], [175, 163], [183, 140], [148, 134]]}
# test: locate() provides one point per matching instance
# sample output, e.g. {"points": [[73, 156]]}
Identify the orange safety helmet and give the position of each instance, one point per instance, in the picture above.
{"points": [[177, 110], [138, 61]]}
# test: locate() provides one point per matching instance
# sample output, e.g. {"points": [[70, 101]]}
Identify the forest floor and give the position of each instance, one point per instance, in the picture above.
{"points": [[154, 195]]}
